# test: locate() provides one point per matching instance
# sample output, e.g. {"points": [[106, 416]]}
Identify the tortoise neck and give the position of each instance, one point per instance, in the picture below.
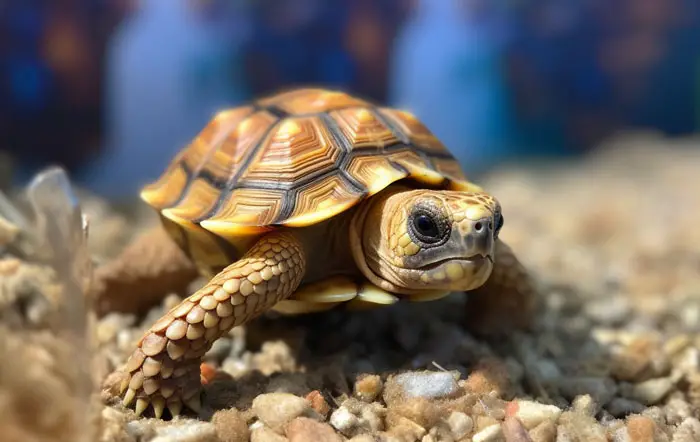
{"points": [[362, 230]]}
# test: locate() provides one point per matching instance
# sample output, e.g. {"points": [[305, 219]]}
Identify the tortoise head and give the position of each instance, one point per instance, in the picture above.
{"points": [[429, 240]]}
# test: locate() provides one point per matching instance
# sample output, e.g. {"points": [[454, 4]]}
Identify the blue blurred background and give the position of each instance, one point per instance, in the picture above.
{"points": [[111, 89]]}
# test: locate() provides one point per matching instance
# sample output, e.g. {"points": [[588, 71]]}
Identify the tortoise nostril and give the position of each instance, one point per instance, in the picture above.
{"points": [[478, 226]]}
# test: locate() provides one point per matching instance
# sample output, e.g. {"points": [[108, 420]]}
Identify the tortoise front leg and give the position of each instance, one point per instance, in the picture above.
{"points": [[164, 369], [508, 298]]}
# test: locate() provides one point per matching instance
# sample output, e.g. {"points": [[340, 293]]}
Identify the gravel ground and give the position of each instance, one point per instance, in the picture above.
{"points": [[614, 354]]}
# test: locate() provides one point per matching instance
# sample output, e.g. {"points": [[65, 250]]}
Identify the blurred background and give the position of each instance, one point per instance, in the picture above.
{"points": [[111, 89]]}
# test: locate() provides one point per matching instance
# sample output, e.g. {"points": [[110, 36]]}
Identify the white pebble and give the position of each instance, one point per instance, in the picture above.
{"points": [[277, 409], [343, 420], [460, 424], [427, 384], [189, 432], [531, 414]]}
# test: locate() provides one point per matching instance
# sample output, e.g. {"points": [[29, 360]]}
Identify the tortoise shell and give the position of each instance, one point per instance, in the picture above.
{"points": [[294, 159]]}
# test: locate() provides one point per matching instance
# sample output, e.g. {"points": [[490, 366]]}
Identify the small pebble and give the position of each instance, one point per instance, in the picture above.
{"points": [[191, 431], [427, 384], [531, 414], [460, 424], [303, 429], [277, 409], [629, 364], [652, 391], [491, 433], [368, 388], [641, 429], [354, 417], [343, 420], [318, 403], [264, 434], [207, 372], [230, 426]]}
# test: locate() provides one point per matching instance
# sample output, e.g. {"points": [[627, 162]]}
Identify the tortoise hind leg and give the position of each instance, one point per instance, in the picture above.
{"points": [[508, 298], [163, 370], [151, 266]]}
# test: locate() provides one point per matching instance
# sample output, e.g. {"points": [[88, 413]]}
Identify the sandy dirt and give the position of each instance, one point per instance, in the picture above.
{"points": [[614, 355]]}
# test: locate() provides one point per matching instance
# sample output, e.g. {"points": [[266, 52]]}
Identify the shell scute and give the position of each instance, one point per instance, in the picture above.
{"points": [[239, 142], [374, 172], [246, 207], [167, 189], [196, 201], [300, 147], [416, 167], [322, 199], [363, 129]]}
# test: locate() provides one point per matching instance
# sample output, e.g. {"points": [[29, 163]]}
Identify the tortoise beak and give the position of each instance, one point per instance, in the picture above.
{"points": [[479, 240]]}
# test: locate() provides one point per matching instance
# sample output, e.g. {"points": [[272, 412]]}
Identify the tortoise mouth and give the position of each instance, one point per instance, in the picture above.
{"points": [[472, 261], [456, 273]]}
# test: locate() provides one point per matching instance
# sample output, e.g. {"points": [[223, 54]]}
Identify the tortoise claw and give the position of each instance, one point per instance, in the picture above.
{"points": [[158, 406], [124, 385], [175, 407], [129, 397], [141, 405]]}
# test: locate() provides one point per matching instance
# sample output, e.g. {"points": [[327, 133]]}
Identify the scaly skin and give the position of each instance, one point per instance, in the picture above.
{"points": [[163, 371]]}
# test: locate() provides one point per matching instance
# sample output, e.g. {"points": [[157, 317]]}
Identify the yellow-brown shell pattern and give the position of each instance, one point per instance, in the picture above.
{"points": [[296, 158]]}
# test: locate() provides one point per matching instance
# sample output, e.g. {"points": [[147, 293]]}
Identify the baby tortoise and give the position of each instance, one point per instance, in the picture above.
{"points": [[303, 201]]}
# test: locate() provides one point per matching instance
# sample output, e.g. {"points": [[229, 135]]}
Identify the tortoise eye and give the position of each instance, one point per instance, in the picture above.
{"points": [[427, 227]]}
